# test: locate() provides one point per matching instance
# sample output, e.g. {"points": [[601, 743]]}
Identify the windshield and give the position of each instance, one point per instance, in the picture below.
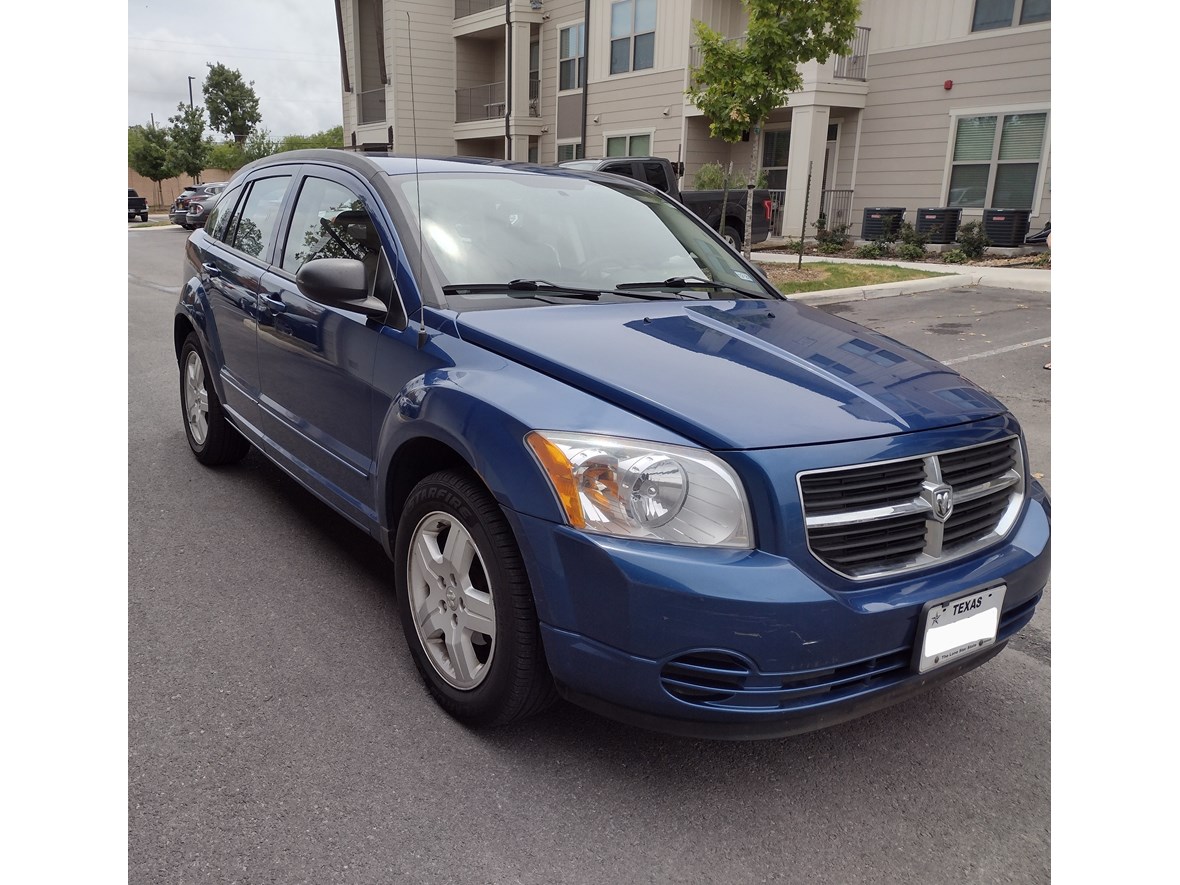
{"points": [[488, 229]]}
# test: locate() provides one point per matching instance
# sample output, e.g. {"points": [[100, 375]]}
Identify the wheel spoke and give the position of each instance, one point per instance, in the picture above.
{"points": [[462, 655], [459, 553], [428, 560], [478, 614]]}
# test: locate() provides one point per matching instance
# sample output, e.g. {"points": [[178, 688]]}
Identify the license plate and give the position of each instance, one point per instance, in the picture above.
{"points": [[959, 627]]}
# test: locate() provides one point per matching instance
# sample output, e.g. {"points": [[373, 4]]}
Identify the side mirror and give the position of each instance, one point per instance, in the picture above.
{"points": [[339, 282]]}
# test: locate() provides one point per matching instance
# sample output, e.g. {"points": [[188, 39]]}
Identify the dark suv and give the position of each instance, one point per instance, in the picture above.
{"points": [[194, 193]]}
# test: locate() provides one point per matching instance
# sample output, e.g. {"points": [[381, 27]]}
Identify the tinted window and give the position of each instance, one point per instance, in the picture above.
{"points": [[218, 221], [329, 222], [256, 222]]}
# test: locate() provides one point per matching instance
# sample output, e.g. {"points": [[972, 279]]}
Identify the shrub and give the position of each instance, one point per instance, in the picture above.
{"points": [[792, 246], [911, 251], [830, 239], [972, 240], [954, 256], [876, 249], [909, 236]]}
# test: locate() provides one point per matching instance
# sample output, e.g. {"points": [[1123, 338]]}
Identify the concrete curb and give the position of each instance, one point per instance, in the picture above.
{"points": [[886, 290], [1031, 279]]}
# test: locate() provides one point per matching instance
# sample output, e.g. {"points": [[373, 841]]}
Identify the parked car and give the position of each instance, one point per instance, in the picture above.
{"points": [[199, 206], [723, 212], [609, 461], [198, 193], [136, 205]]}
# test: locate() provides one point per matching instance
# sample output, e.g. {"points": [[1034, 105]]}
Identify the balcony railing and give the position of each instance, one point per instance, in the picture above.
{"points": [[836, 207], [487, 102], [471, 7], [372, 108], [484, 102], [855, 65]]}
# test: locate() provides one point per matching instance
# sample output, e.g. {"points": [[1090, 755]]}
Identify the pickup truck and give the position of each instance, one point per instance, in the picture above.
{"points": [[661, 173], [136, 205]]}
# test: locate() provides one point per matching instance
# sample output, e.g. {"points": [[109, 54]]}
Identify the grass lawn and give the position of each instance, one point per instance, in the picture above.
{"points": [[820, 275]]}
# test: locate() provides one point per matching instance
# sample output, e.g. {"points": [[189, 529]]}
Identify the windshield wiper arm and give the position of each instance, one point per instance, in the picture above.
{"points": [[530, 288], [690, 283], [525, 289]]}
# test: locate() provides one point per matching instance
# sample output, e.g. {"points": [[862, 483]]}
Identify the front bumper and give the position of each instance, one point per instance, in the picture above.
{"points": [[744, 644]]}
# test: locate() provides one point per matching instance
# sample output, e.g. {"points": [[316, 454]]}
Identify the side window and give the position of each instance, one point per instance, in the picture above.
{"points": [[330, 221], [255, 225], [655, 175], [620, 169], [219, 216]]}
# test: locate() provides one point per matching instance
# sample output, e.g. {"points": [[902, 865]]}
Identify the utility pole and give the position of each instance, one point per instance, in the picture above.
{"points": [[190, 92]]}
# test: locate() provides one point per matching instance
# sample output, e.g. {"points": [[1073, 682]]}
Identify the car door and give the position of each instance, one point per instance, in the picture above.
{"points": [[316, 361], [232, 262]]}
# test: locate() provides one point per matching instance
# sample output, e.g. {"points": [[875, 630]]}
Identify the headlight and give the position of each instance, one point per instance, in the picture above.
{"points": [[633, 489]]}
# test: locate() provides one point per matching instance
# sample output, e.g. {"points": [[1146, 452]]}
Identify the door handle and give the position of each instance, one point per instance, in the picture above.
{"points": [[273, 304], [212, 269]]}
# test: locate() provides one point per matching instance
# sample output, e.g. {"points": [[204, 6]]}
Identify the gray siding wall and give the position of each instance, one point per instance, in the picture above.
{"points": [[906, 129]]}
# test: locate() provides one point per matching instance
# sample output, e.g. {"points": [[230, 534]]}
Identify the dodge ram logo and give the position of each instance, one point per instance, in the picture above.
{"points": [[943, 503]]}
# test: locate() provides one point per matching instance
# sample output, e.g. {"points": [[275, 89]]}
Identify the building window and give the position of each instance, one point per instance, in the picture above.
{"points": [[571, 70], [570, 151], [991, 14], [997, 160], [629, 145], [632, 35]]}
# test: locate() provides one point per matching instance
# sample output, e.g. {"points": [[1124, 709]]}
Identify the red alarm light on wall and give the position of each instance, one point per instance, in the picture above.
{"points": [[947, 84]]}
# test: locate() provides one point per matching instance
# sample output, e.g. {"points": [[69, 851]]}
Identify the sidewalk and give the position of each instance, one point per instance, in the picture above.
{"points": [[1031, 279]]}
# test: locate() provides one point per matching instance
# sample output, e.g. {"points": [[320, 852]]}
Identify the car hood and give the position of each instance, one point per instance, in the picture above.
{"points": [[736, 375]]}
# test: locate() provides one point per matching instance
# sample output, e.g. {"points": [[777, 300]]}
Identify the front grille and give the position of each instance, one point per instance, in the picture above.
{"points": [[871, 520]]}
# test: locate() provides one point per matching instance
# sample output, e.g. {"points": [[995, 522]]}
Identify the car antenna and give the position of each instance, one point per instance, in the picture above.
{"points": [[417, 190]]}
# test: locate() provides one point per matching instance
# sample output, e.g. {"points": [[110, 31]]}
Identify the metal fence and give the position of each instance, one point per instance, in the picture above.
{"points": [[372, 108], [855, 65], [471, 7], [484, 102], [836, 207]]}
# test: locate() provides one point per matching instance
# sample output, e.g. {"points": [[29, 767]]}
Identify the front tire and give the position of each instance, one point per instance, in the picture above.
{"points": [[210, 435], [466, 605]]}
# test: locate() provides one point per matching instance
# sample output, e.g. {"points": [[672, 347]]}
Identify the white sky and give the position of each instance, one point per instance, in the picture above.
{"points": [[287, 47]]}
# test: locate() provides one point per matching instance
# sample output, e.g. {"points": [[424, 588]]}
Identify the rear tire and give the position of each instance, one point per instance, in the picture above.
{"points": [[466, 605], [143, 216], [733, 237], [210, 435]]}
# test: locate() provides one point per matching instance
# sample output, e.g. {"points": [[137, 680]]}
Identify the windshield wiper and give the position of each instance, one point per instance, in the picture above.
{"points": [[530, 288], [690, 283], [525, 289]]}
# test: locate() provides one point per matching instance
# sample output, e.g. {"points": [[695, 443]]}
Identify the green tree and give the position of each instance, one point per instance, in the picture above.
{"points": [[147, 154], [328, 138], [739, 83], [231, 102], [225, 155], [188, 152], [260, 144]]}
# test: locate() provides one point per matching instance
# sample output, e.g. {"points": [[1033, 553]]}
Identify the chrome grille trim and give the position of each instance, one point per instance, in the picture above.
{"points": [[984, 483]]}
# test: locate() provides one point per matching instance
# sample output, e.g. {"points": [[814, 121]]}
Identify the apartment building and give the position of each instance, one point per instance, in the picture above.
{"points": [[937, 102]]}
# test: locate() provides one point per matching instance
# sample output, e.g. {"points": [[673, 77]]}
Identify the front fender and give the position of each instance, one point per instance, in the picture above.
{"points": [[480, 407]]}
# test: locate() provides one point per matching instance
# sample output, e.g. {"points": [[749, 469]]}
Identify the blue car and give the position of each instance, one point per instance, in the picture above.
{"points": [[609, 461]]}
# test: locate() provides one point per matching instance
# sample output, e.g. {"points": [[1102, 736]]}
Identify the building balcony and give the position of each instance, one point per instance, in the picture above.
{"points": [[488, 102]]}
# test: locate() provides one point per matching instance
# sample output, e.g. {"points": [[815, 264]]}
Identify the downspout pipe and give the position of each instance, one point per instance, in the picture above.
{"points": [[585, 73], [508, 83]]}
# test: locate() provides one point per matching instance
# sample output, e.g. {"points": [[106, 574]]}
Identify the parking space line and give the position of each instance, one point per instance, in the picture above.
{"points": [[998, 350]]}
